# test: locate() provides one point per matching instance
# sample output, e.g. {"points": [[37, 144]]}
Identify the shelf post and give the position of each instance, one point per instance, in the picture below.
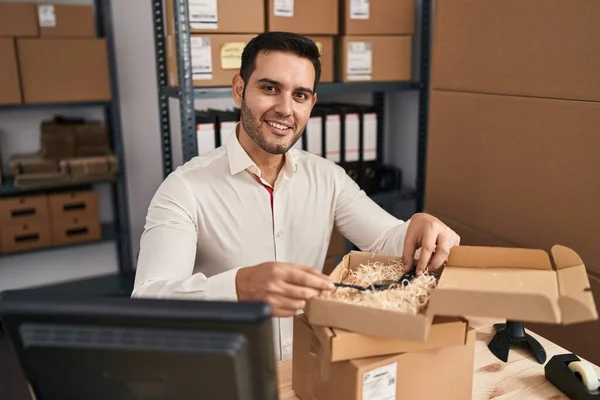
{"points": [[161, 71], [423, 103], [186, 82], [105, 29]]}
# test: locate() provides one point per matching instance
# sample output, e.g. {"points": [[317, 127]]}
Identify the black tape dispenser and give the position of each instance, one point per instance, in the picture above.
{"points": [[574, 377]]}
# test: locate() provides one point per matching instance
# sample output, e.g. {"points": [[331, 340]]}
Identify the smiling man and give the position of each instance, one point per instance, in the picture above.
{"points": [[252, 220]]}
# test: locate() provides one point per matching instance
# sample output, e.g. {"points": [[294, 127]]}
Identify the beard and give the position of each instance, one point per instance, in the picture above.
{"points": [[253, 127]]}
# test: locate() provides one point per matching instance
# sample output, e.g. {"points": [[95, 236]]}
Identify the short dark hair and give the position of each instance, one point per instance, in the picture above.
{"points": [[280, 41]]}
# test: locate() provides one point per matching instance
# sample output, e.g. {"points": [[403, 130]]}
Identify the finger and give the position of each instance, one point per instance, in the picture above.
{"points": [[291, 291], [442, 251], [283, 312], [300, 277], [408, 254], [286, 303], [427, 249]]}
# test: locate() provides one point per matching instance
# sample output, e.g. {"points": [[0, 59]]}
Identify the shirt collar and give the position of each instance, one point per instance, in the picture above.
{"points": [[239, 160]]}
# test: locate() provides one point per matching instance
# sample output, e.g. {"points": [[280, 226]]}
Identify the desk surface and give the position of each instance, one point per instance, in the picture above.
{"points": [[520, 378]]}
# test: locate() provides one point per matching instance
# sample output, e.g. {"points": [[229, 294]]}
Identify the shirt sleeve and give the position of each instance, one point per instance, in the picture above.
{"points": [[364, 222], [165, 267]]}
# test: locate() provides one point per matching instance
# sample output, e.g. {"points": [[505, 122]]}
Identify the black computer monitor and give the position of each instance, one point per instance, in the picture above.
{"points": [[99, 348]]}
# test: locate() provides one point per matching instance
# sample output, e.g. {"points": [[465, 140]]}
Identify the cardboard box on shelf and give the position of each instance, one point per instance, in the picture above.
{"points": [[24, 223], [532, 181], [220, 16], [316, 377], [20, 164], [20, 210], [22, 237], [75, 204], [75, 217], [374, 58], [18, 20], [382, 17], [490, 46], [306, 17], [9, 73], [66, 21], [215, 59], [73, 230], [90, 169], [524, 288], [64, 70], [327, 48]]}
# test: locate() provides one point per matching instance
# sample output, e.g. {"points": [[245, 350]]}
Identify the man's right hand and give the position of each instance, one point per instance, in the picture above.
{"points": [[284, 286]]}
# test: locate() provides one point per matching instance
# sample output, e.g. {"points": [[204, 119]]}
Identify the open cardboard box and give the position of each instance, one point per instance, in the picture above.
{"points": [[340, 344], [516, 284]]}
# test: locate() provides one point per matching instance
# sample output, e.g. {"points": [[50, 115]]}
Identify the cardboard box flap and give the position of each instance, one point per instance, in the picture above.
{"points": [[514, 284]]}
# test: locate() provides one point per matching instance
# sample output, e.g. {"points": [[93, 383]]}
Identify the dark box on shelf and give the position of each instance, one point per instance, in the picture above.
{"points": [[64, 138], [90, 169]]}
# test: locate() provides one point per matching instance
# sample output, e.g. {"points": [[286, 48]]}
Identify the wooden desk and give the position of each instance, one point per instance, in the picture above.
{"points": [[520, 378]]}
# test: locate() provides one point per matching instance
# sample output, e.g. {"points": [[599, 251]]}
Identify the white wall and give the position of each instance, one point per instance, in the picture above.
{"points": [[139, 110]]}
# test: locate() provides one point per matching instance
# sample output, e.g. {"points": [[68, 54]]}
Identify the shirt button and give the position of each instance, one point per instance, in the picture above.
{"points": [[279, 234]]}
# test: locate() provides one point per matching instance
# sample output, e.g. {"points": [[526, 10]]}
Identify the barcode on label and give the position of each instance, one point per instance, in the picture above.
{"points": [[204, 16]]}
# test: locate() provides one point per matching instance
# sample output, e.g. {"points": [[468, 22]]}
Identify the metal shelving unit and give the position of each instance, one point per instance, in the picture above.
{"points": [[186, 93], [118, 230]]}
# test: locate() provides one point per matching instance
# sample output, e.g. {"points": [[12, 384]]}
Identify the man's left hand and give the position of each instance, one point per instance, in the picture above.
{"points": [[433, 238]]}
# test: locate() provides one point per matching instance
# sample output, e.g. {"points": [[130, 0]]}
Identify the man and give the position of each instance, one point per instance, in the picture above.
{"points": [[252, 219]]}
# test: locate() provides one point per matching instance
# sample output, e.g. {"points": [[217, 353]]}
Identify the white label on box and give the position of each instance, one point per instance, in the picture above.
{"points": [[201, 58], [203, 14], [380, 383], [283, 8], [46, 15], [352, 137], [314, 136], [359, 62], [370, 138], [359, 9], [227, 129], [205, 135], [333, 133]]}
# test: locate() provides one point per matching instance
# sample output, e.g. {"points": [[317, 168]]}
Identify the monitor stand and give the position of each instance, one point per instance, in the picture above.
{"points": [[512, 333]]}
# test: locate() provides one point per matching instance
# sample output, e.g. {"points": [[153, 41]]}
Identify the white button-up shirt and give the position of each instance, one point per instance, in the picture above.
{"points": [[211, 216]]}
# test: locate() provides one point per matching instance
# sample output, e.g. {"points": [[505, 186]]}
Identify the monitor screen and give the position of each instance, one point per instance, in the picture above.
{"points": [[120, 348]]}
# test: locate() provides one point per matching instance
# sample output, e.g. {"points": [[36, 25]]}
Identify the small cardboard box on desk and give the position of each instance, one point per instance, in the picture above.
{"points": [[332, 364], [504, 283]]}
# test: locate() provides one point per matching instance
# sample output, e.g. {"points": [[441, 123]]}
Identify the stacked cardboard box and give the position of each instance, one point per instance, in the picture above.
{"points": [[513, 135], [50, 53], [317, 19], [36, 221], [72, 151], [220, 30], [376, 41], [352, 351], [358, 40]]}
